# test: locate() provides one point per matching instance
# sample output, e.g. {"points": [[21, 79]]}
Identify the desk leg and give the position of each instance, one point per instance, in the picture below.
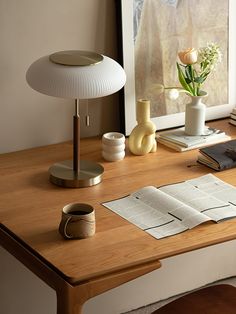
{"points": [[70, 299], [70, 296], [68, 302]]}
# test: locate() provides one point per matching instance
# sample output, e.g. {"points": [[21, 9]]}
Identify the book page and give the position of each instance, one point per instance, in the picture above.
{"points": [[156, 212], [170, 206], [221, 191], [208, 195]]}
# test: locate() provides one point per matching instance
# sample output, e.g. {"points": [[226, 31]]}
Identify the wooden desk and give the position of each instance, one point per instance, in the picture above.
{"points": [[30, 212]]}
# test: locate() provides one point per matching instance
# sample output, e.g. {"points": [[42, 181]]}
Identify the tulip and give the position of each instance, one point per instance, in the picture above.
{"points": [[188, 56]]}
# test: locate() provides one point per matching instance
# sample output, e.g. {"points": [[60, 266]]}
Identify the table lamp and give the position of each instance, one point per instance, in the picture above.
{"points": [[78, 75]]}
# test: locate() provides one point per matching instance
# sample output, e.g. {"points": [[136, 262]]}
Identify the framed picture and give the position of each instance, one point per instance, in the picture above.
{"points": [[151, 34]]}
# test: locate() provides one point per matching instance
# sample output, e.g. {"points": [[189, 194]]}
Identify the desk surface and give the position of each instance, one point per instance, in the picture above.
{"points": [[30, 208]]}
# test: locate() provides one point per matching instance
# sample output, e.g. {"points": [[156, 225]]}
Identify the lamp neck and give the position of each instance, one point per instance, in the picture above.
{"points": [[76, 138], [76, 107]]}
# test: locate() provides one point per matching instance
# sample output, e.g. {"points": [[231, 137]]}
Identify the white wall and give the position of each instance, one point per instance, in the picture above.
{"points": [[30, 29]]}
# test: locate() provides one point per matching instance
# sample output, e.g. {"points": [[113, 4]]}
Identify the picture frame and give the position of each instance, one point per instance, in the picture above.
{"points": [[126, 58]]}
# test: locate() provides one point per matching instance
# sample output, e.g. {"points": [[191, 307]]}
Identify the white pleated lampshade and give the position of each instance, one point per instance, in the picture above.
{"points": [[81, 82]]}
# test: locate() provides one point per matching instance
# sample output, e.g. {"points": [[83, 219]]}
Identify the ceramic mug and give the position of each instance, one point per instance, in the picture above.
{"points": [[77, 221]]}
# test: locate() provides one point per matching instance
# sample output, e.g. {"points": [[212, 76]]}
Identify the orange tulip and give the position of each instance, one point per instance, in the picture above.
{"points": [[188, 56]]}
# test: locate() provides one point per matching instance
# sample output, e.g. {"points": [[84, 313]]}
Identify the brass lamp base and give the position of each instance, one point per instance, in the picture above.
{"points": [[62, 174]]}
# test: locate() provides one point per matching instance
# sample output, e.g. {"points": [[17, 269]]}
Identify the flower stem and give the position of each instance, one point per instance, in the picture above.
{"points": [[193, 83]]}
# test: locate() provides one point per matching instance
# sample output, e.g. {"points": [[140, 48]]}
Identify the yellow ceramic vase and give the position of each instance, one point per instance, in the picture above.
{"points": [[142, 138]]}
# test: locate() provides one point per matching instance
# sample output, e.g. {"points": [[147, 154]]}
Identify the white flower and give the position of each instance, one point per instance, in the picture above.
{"points": [[209, 57], [173, 94]]}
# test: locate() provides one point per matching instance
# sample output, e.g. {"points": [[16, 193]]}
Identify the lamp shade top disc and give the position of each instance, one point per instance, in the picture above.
{"points": [[76, 58]]}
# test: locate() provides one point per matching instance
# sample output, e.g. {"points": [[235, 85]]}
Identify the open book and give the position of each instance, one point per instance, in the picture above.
{"points": [[175, 208]]}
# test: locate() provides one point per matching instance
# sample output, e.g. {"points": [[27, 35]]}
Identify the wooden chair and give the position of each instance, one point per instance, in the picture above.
{"points": [[218, 299]]}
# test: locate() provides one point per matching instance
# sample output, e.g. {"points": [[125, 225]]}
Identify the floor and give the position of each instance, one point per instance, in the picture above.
{"points": [[152, 307]]}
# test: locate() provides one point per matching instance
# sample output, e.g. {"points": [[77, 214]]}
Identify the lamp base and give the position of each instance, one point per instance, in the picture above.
{"points": [[62, 174]]}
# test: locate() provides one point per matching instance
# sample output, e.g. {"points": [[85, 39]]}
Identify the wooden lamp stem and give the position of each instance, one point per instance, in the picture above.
{"points": [[76, 138]]}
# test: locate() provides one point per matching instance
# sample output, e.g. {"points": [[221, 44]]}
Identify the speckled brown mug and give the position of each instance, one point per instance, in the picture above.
{"points": [[77, 221]]}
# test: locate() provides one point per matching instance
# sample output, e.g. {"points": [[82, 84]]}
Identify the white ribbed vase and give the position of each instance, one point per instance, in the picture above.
{"points": [[195, 114]]}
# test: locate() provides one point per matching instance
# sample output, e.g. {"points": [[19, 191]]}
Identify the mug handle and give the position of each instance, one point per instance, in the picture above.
{"points": [[64, 227]]}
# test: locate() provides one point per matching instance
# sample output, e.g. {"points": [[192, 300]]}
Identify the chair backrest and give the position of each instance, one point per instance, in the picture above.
{"points": [[217, 299]]}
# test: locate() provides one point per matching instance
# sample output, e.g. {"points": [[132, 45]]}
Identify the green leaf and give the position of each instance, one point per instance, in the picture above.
{"points": [[204, 75], [182, 80], [195, 73], [187, 80], [199, 80], [189, 72]]}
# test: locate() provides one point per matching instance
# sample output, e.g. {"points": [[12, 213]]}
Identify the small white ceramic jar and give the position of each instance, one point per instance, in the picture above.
{"points": [[113, 146]]}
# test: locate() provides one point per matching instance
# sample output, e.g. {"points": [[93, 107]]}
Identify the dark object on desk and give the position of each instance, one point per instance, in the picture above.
{"points": [[219, 299], [220, 156], [231, 153], [232, 119]]}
